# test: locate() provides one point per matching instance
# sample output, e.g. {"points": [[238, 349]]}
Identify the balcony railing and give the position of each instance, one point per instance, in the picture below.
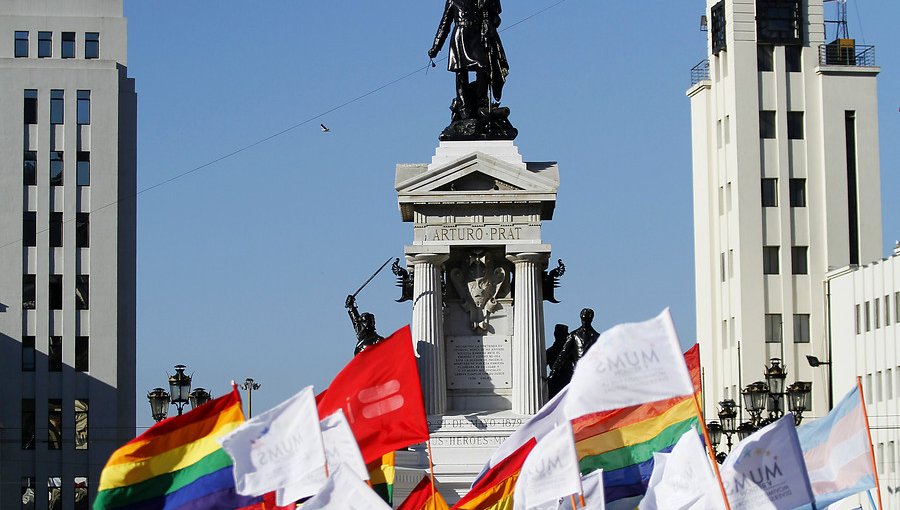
{"points": [[700, 72], [840, 53]]}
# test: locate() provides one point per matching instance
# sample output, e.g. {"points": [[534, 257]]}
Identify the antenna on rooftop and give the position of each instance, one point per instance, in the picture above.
{"points": [[843, 32]]}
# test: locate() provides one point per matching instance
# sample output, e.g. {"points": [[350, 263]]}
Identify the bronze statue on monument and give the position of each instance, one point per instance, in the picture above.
{"points": [[568, 349]]}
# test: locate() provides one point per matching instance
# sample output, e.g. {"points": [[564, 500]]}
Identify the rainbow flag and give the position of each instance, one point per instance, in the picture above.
{"points": [[622, 441], [494, 490], [177, 464], [381, 476]]}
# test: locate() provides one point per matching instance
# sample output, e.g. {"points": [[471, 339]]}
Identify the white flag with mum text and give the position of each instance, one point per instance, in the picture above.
{"points": [[277, 447], [683, 479], [550, 471], [630, 364], [345, 491]]}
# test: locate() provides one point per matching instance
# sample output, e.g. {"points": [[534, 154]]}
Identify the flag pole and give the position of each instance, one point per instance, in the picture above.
{"points": [[573, 502], [862, 399], [712, 454], [431, 473], [581, 496]]}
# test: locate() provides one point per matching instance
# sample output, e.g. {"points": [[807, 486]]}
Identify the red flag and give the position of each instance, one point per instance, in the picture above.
{"points": [[424, 497], [268, 503], [381, 396], [495, 489]]}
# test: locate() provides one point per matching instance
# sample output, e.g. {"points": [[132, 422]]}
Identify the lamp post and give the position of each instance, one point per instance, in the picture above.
{"points": [[250, 386], [815, 362], [178, 395]]}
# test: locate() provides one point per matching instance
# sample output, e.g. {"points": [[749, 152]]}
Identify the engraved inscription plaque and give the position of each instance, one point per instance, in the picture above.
{"points": [[475, 362]]}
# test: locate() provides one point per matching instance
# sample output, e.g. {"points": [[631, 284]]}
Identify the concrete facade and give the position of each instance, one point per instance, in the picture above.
{"points": [[67, 247], [864, 328], [786, 187]]}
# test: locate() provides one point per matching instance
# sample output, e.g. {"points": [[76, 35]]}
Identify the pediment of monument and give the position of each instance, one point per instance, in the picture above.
{"points": [[480, 174]]}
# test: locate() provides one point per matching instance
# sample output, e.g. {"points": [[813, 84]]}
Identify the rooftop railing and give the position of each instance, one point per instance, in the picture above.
{"points": [[700, 72], [842, 53]]}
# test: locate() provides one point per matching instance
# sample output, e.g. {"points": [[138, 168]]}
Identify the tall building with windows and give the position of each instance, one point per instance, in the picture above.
{"points": [[67, 248], [786, 186]]}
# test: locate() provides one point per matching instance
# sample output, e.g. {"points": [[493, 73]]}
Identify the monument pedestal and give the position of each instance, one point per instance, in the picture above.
{"points": [[478, 264]]}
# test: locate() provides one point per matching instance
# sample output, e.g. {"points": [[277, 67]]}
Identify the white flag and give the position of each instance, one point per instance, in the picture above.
{"points": [[341, 449], [766, 470], [592, 485], [278, 447], [630, 364], [345, 491], [550, 471], [683, 479]]}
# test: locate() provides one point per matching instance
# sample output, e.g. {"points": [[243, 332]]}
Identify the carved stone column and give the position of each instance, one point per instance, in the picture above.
{"points": [[428, 329], [528, 356]]}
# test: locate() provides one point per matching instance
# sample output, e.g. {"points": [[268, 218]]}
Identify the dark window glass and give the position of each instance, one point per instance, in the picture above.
{"points": [[28, 292], [769, 192], [81, 424], [54, 356], [887, 311], [801, 328], [31, 106], [28, 424], [897, 307], [84, 107], [54, 425], [82, 230], [56, 229], [868, 317], [28, 354], [27, 493], [45, 44], [778, 21], [29, 168], [82, 354], [57, 106], [83, 169], [81, 493], [56, 168], [792, 58], [770, 260], [800, 260], [54, 492], [29, 228], [92, 45], [68, 45], [717, 31], [765, 57], [82, 292], [795, 125], [798, 192], [56, 292], [858, 321], [773, 328], [767, 124], [21, 44]]}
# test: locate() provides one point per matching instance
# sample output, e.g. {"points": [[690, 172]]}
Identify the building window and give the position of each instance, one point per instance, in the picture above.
{"points": [[769, 192], [83, 169], [878, 386], [29, 168], [717, 27], [92, 45], [28, 354], [56, 229], [28, 424], [82, 354], [800, 260], [56, 292], [887, 311], [722, 266], [81, 493], [83, 230], [29, 228], [27, 493], [868, 317], [54, 423], [56, 168], [45, 44], [83, 113], [897, 307], [798, 192], [801, 328], [773, 328], [765, 57], [57, 106], [792, 59], [31, 106], [877, 308], [81, 424], [858, 321], [68, 45], [888, 384], [767, 124], [21, 44], [82, 292], [28, 292], [54, 354], [868, 388], [54, 493], [778, 21], [770, 260], [795, 125]]}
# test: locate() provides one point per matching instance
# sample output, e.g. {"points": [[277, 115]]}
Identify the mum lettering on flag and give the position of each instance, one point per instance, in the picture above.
{"points": [[550, 472], [683, 479]]}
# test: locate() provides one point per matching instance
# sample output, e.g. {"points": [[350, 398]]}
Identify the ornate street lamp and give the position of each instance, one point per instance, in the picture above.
{"points": [[744, 430], [198, 397], [775, 376], [755, 396], [715, 433], [179, 388], [178, 395], [250, 386], [799, 397], [159, 403]]}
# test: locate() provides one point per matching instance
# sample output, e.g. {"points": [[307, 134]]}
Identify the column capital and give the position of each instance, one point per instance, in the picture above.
{"points": [[436, 259], [535, 257]]}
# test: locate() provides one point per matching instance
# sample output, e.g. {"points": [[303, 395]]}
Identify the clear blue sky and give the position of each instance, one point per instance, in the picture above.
{"points": [[243, 266]]}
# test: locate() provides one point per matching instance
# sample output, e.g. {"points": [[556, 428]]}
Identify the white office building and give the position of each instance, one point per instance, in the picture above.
{"points": [[786, 187], [67, 248], [864, 318]]}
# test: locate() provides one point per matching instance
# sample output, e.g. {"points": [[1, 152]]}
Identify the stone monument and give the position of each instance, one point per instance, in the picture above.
{"points": [[477, 263]]}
